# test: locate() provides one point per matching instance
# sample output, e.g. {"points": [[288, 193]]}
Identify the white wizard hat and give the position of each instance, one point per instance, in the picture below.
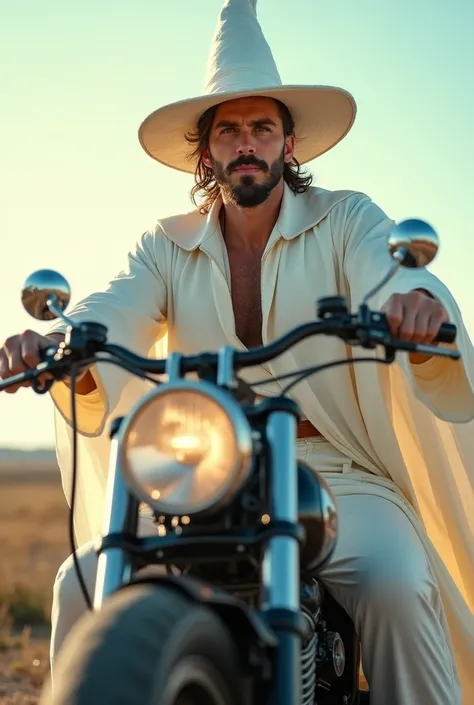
{"points": [[241, 64]]}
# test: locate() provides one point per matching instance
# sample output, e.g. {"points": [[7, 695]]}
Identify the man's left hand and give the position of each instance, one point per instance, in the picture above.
{"points": [[415, 317]]}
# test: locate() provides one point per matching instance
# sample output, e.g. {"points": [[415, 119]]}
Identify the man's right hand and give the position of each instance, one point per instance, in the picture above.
{"points": [[22, 352]]}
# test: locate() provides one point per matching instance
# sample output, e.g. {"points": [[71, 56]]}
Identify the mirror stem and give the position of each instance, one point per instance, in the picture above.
{"points": [[54, 305], [399, 256]]}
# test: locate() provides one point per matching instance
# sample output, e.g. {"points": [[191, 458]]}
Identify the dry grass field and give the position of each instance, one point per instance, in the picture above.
{"points": [[33, 543]]}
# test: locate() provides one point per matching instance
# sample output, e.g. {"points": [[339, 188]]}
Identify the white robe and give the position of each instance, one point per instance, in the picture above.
{"points": [[409, 425]]}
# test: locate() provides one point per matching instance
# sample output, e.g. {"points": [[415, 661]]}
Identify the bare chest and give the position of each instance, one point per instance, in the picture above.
{"points": [[245, 280]]}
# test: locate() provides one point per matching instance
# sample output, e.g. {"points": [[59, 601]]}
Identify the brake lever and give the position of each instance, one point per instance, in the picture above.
{"points": [[374, 328], [54, 362], [49, 363], [433, 350], [42, 387], [52, 357], [32, 375]]}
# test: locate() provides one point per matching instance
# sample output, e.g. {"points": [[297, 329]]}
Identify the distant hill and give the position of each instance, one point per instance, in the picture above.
{"points": [[14, 461]]}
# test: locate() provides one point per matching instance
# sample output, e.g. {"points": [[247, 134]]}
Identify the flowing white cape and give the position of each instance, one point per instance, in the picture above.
{"points": [[410, 426]]}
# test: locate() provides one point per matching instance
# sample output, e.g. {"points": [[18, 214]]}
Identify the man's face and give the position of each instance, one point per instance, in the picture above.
{"points": [[248, 150]]}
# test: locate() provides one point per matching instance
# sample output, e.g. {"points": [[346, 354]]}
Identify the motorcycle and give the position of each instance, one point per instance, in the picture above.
{"points": [[223, 605]]}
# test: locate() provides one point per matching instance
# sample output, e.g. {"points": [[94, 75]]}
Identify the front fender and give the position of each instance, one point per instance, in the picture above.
{"points": [[248, 626]]}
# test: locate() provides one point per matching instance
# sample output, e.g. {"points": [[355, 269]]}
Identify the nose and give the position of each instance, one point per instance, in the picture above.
{"points": [[245, 144]]}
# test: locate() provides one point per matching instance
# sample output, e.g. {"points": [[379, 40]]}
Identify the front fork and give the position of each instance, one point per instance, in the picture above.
{"points": [[121, 516], [281, 560]]}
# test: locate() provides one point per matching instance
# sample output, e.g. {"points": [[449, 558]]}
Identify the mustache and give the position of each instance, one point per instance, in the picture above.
{"points": [[247, 161]]}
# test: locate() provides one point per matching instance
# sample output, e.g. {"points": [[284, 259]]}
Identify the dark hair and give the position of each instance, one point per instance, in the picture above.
{"points": [[204, 176]]}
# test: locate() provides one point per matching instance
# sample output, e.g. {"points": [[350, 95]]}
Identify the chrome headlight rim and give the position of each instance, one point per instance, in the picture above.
{"points": [[239, 472]]}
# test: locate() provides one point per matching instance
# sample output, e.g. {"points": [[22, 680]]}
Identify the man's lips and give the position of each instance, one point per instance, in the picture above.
{"points": [[247, 168]]}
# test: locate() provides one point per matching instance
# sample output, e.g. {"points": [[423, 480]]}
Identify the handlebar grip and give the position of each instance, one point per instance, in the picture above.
{"points": [[447, 333]]}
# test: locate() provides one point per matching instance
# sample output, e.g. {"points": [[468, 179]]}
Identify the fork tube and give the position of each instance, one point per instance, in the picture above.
{"points": [[281, 561], [121, 515]]}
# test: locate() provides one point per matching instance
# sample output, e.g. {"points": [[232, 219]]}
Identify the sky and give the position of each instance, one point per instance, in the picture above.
{"points": [[78, 77]]}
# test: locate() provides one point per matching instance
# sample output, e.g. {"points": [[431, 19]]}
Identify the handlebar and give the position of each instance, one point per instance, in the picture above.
{"points": [[86, 343], [343, 327]]}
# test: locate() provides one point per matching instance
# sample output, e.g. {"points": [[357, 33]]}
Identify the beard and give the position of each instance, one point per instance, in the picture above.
{"points": [[248, 193]]}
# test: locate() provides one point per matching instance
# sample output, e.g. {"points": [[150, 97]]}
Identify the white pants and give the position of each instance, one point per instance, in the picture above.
{"points": [[379, 574]]}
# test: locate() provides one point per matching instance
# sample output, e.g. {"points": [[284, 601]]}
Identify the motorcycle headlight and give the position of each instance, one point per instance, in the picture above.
{"points": [[186, 448]]}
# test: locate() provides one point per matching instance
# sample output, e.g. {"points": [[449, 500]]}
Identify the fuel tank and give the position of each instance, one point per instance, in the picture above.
{"points": [[318, 515]]}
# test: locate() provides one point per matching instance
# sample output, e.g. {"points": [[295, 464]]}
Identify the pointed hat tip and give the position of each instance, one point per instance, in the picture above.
{"points": [[252, 3]]}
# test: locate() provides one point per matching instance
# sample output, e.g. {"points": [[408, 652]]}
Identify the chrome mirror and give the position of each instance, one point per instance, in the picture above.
{"points": [[45, 295], [413, 243]]}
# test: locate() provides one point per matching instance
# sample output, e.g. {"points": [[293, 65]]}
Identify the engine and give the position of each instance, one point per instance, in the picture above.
{"points": [[322, 654]]}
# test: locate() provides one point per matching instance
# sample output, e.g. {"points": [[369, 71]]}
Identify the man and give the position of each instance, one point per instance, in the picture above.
{"points": [[243, 268]]}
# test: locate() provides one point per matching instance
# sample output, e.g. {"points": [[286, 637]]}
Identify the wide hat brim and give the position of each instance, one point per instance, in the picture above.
{"points": [[323, 116]]}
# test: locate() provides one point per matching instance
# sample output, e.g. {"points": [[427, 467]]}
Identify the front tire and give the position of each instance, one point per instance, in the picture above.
{"points": [[148, 645]]}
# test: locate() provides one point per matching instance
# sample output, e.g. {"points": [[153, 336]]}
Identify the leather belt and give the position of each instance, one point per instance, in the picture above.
{"points": [[305, 429]]}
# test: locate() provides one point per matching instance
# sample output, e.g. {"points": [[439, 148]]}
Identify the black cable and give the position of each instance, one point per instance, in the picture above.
{"points": [[318, 368], [73, 375], [72, 540], [307, 371]]}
